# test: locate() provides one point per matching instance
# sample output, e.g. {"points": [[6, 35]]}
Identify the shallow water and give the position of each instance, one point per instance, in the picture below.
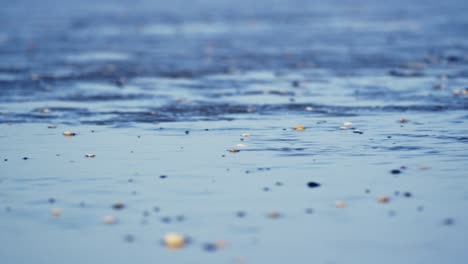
{"points": [[154, 88]]}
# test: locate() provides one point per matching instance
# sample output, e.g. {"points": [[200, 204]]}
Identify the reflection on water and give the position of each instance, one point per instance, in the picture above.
{"points": [[183, 115]]}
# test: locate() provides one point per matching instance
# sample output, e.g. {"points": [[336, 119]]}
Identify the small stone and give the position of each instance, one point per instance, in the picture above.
{"points": [[403, 120], [163, 176], [343, 127], [347, 124], [233, 150], [309, 211], [449, 221], [274, 215], [25, 158], [240, 214], [52, 126], [55, 212], [51, 200], [395, 171], [210, 247], [298, 128], [339, 204], [118, 206], [68, 133], [173, 240], [313, 184], [129, 238], [109, 220], [89, 155], [383, 199], [187, 132], [407, 194], [245, 135]]}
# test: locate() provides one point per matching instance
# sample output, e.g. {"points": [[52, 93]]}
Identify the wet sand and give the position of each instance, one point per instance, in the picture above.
{"points": [[211, 194], [222, 132]]}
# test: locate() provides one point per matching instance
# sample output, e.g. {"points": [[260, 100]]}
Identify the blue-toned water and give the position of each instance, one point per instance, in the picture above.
{"points": [[157, 88]]}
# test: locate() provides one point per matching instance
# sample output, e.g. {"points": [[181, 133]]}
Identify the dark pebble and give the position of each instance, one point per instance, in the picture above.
{"points": [[25, 158], [187, 132], [129, 238], [240, 214], [266, 189], [163, 176], [210, 247], [395, 171], [309, 211], [146, 213], [449, 221], [51, 200], [278, 183], [118, 206], [367, 190], [180, 218], [166, 219], [156, 209], [5, 160], [407, 194], [313, 184]]}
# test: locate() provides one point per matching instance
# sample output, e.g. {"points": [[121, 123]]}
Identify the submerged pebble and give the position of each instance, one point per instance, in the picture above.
{"points": [[118, 206], [383, 199], [298, 128], [55, 212], [233, 150], [89, 155], [173, 240], [339, 204], [108, 220], [273, 215], [68, 133], [313, 184]]}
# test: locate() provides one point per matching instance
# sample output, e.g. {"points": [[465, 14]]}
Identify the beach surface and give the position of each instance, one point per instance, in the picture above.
{"points": [[254, 131]]}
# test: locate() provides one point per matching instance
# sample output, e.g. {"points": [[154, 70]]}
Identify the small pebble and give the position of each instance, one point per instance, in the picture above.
{"points": [[240, 214], [395, 171], [52, 126], [245, 135], [407, 194], [403, 120], [233, 150], [298, 128], [68, 133], [449, 221], [210, 247], [383, 199], [129, 238], [109, 220], [55, 212], [274, 215], [313, 184], [309, 211], [118, 206], [51, 200], [347, 124], [339, 204], [89, 155], [173, 240], [163, 176]]}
